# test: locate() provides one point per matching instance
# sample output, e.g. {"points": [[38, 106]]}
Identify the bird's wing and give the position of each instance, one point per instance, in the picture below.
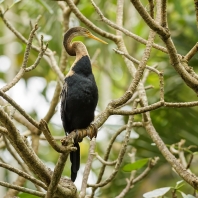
{"points": [[63, 103]]}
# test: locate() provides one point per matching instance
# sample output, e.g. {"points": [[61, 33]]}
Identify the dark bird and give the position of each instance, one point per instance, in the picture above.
{"points": [[79, 96]]}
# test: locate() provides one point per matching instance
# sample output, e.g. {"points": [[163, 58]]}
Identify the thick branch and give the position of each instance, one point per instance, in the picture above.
{"points": [[30, 158], [165, 36]]}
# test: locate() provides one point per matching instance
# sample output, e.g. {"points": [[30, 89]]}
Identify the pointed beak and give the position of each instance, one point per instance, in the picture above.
{"points": [[96, 38]]}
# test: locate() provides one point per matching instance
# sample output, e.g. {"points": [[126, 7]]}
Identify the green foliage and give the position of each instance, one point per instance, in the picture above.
{"points": [[161, 192], [24, 195], [136, 165], [172, 124]]}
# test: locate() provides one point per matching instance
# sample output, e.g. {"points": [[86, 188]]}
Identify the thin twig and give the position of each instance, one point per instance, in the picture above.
{"points": [[151, 8], [196, 10], [24, 64], [61, 149], [165, 36], [15, 155], [22, 189], [40, 55], [120, 156], [192, 52], [23, 174], [125, 31], [86, 21], [163, 21], [56, 175], [160, 74], [154, 25], [49, 54], [22, 111], [87, 168], [105, 162]]}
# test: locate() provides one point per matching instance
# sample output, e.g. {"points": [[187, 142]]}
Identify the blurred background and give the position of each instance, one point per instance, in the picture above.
{"points": [[34, 92]]}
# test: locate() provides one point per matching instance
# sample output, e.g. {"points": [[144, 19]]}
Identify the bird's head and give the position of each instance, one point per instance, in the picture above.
{"points": [[77, 31], [85, 32]]}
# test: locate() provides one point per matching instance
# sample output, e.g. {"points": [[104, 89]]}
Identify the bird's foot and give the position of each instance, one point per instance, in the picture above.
{"points": [[78, 135], [92, 131], [69, 139]]}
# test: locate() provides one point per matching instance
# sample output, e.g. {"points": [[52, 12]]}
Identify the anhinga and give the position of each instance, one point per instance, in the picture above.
{"points": [[80, 92]]}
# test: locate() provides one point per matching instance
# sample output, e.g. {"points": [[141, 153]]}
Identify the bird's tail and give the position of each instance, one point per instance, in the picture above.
{"points": [[75, 162]]}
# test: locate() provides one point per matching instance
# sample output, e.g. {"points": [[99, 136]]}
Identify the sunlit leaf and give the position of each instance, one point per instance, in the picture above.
{"points": [[136, 165], [179, 184], [187, 196], [157, 192]]}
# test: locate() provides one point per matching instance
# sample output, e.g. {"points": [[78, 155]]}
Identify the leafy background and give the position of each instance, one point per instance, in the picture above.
{"points": [[35, 90]]}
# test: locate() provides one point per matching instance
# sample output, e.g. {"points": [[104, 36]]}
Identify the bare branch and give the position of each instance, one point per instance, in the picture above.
{"points": [[24, 64], [37, 61], [151, 8], [163, 13], [22, 189], [149, 21], [125, 31], [180, 169], [22, 111], [160, 74], [132, 180], [31, 159], [15, 155], [105, 162], [56, 175], [50, 59], [196, 10], [165, 36], [120, 156], [87, 22], [87, 168], [192, 52], [23, 174], [61, 149]]}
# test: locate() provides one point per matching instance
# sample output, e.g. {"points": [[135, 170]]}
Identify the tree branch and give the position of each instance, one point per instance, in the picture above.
{"points": [[87, 168], [22, 189]]}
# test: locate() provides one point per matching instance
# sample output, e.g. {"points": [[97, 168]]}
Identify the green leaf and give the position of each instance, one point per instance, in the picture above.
{"points": [[1, 1], [179, 184], [157, 192], [187, 196], [136, 165]]}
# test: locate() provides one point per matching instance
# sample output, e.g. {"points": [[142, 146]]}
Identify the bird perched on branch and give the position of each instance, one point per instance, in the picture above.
{"points": [[79, 96]]}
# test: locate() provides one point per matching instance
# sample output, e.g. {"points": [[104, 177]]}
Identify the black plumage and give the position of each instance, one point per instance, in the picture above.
{"points": [[80, 93]]}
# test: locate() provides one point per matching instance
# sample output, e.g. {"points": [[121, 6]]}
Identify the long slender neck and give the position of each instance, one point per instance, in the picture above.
{"points": [[80, 49], [75, 47], [68, 45]]}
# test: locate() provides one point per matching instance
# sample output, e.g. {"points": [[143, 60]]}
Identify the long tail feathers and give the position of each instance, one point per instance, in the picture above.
{"points": [[75, 162]]}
